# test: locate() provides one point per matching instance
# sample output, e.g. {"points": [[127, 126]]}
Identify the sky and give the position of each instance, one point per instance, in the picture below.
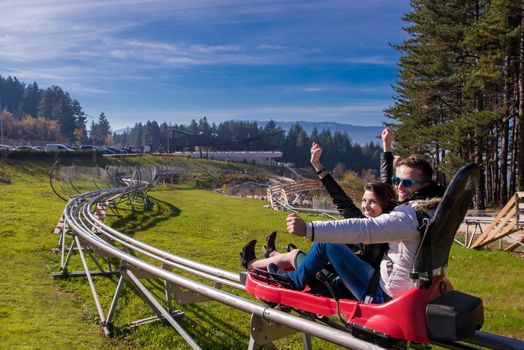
{"points": [[178, 60]]}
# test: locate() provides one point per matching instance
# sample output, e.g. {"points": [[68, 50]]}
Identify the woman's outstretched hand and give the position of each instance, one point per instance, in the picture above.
{"points": [[296, 225], [316, 152]]}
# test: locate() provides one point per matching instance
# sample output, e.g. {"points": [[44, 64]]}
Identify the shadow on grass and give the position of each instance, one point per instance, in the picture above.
{"points": [[137, 221], [225, 335]]}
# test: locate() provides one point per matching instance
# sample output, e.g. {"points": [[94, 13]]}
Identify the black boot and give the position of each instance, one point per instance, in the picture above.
{"points": [[291, 246], [270, 244], [248, 253]]}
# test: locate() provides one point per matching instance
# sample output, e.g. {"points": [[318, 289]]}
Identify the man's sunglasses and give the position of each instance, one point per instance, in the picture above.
{"points": [[407, 183]]}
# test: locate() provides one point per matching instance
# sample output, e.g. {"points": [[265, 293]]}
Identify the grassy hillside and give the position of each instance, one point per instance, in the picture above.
{"points": [[39, 312], [35, 312]]}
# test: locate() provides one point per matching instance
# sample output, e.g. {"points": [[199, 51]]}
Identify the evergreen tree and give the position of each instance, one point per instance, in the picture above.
{"points": [[103, 128], [203, 127], [456, 99], [31, 99], [12, 95], [152, 134]]}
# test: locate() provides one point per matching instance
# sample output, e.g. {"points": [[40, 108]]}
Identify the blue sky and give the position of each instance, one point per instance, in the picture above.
{"points": [[177, 60]]}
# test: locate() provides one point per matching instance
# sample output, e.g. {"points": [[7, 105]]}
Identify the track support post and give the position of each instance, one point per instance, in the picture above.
{"points": [[264, 332]]}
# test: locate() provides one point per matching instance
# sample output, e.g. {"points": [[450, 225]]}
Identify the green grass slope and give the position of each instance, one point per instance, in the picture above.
{"points": [[35, 313], [39, 312]]}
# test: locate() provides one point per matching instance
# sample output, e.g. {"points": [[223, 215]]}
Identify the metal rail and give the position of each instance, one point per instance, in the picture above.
{"points": [[92, 236], [79, 223]]}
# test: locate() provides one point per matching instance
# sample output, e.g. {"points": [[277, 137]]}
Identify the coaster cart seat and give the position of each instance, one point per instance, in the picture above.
{"points": [[431, 311]]}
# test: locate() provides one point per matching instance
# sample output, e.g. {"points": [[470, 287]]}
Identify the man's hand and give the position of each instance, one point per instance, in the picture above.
{"points": [[387, 139], [316, 152], [296, 225]]}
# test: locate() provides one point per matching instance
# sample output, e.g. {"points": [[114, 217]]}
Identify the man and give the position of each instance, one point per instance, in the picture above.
{"points": [[398, 228]]}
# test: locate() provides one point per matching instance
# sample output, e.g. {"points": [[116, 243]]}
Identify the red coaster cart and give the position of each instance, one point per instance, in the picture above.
{"points": [[431, 311]]}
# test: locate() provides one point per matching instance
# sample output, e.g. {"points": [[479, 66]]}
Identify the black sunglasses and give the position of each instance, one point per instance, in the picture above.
{"points": [[407, 183]]}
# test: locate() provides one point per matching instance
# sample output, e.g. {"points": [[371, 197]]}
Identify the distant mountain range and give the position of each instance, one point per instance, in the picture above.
{"points": [[358, 134]]}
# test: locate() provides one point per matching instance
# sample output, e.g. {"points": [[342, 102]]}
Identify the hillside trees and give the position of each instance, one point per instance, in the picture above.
{"points": [[29, 128], [51, 104], [458, 93]]}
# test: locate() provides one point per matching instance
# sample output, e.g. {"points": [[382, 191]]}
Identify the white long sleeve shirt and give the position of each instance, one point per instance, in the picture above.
{"points": [[398, 229]]}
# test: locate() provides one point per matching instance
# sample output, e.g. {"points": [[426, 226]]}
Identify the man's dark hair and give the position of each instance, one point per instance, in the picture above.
{"points": [[419, 163], [386, 196]]}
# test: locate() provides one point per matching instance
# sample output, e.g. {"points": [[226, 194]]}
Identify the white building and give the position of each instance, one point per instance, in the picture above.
{"points": [[261, 158]]}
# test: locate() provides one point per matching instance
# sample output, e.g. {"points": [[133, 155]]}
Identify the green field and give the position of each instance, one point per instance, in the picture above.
{"points": [[38, 312]]}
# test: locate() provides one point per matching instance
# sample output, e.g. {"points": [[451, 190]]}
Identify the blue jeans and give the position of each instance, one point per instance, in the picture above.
{"points": [[354, 272]]}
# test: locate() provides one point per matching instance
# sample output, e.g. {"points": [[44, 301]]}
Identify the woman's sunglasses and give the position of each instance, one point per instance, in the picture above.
{"points": [[407, 183]]}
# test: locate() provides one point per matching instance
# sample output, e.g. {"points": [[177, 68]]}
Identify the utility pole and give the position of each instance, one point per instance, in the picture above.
{"points": [[168, 131]]}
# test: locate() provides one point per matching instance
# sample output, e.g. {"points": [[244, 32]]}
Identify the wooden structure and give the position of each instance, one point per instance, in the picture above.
{"points": [[287, 195], [509, 221]]}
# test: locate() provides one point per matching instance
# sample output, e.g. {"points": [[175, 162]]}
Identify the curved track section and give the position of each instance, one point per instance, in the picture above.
{"points": [[91, 238], [285, 196]]}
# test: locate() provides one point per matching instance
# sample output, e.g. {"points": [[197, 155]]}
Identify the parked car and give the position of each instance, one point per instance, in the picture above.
{"points": [[88, 148], [28, 148], [100, 149], [116, 150], [57, 147], [6, 148]]}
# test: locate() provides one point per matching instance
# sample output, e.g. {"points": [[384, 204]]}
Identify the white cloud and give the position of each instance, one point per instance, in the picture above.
{"points": [[374, 60], [340, 88], [47, 30], [85, 46]]}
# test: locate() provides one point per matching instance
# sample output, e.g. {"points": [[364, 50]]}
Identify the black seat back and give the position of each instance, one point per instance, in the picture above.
{"points": [[436, 243]]}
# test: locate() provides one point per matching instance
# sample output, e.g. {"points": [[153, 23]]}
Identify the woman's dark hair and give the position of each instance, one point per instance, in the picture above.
{"points": [[386, 196]]}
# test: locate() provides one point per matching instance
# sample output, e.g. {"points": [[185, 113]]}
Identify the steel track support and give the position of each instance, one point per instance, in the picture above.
{"points": [[264, 332], [65, 262], [183, 296], [61, 240], [83, 274], [108, 325], [90, 253], [168, 292], [155, 305], [60, 244], [90, 279], [63, 268]]}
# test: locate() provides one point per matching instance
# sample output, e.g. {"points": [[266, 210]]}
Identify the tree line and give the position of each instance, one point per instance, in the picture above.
{"points": [[460, 90], [340, 151]]}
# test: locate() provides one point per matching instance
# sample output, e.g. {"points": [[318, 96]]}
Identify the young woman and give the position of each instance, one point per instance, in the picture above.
{"points": [[378, 198]]}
